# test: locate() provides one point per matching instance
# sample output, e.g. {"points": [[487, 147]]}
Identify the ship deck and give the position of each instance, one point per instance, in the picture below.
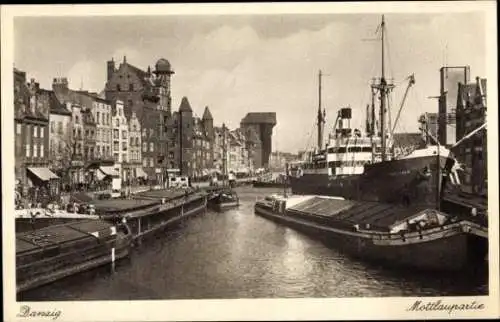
{"points": [[110, 205], [40, 239], [375, 214]]}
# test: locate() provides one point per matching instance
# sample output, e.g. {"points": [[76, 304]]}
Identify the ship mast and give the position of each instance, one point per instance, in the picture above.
{"points": [[384, 88], [321, 118]]}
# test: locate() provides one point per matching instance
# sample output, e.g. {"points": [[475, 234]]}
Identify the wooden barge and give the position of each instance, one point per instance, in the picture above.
{"points": [[55, 252], [151, 211], [384, 233]]}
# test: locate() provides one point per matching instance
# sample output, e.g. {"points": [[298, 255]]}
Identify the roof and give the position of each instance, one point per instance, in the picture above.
{"points": [[185, 106], [207, 115], [55, 105], [260, 118]]}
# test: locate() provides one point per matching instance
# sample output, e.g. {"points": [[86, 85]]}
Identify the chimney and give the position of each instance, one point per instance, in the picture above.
{"points": [[60, 85]]}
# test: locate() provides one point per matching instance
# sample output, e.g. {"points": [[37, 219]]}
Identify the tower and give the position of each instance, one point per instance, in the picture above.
{"points": [[111, 68], [164, 72], [208, 123], [185, 134]]}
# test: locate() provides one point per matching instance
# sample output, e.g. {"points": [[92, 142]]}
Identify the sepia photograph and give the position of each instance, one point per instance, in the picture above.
{"points": [[199, 161]]}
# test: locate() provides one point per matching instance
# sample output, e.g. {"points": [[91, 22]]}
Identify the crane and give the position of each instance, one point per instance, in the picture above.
{"points": [[411, 81]]}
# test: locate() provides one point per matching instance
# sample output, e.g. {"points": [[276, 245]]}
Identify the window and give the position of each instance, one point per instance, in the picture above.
{"points": [[98, 117], [77, 119], [52, 127], [151, 162], [151, 146], [59, 127], [130, 102], [117, 123], [124, 134], [28, 151], [18, 128], [35, 131], [134, 128], [35, 151], [124, 157], [144, 162], [118, 87], [115, 157], [131, 88], [42, 130], [87, 133], [116, 134], [144, 147], [41, 151], [108, 117], [116, 146]]}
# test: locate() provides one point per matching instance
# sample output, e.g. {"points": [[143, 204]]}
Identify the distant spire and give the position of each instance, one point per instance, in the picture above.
{"points": [[124, 59], [81, 83]]}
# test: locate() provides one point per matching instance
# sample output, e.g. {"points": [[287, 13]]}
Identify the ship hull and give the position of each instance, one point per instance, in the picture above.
{"points": [[448, 249], [406, 181]]}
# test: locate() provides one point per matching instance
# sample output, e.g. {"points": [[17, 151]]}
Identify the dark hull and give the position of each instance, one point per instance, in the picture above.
{"points": [[450, 250], [26, 224], [402, 181], [46, 264]]}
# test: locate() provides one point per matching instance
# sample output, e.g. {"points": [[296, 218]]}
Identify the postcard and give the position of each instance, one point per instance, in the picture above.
{"points": [[256, 161]]}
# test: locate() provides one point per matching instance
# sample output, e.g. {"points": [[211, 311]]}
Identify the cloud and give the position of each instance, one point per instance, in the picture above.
{"points": [[86, 75]]}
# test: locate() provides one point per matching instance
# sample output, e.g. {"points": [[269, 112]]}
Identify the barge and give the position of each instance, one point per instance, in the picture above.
{"points": [[396, 236], [36, 218], [152, 211], [55, 252]]}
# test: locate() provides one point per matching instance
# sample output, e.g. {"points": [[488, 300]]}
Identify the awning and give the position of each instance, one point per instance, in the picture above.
{"points": [[140, 173], [43, 174], [109, 171]]}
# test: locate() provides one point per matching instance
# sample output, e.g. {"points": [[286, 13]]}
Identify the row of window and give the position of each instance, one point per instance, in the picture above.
{"points": [[334, 164], [103, 118], [38, 131], [130, 87], [35, 150], [350, 149]]}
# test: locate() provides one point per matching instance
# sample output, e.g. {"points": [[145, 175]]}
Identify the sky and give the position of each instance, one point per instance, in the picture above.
{"points": [[237, 64]]}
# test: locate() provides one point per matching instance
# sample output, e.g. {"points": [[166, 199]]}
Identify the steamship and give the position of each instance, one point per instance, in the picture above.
{"points": [[364, 167]]}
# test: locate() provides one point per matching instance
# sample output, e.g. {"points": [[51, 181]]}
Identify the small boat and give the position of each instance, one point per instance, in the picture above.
{"points": [[224, 200], [55, 252], [372, 231]]}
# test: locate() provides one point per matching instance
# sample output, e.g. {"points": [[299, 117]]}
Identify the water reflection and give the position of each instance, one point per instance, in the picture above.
{"points": [[236, 254]]}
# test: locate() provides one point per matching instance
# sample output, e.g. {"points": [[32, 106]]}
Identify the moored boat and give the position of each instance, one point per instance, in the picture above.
{"points": [[394, 236], [55, 252], [225, 199]]}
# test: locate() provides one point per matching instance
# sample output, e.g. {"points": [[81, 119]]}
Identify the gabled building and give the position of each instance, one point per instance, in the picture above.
{"points": [[34, 180], [147, 93]]}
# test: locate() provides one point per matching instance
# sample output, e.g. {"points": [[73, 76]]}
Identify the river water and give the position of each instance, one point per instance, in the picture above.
{"points": [[237, 254]]}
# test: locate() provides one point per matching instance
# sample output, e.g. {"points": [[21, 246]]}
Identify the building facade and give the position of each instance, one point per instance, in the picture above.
{"points": [[34, 180], [102, 112], [120, 140], [472, 152], [137, 173]]}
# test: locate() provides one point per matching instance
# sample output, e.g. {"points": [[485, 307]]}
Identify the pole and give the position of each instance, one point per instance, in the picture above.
{"points": [[320, 116], [180, 144], [383, 97]]}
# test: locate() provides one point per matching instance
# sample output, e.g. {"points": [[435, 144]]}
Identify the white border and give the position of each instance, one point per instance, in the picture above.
{"points": [[251, 309]]}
